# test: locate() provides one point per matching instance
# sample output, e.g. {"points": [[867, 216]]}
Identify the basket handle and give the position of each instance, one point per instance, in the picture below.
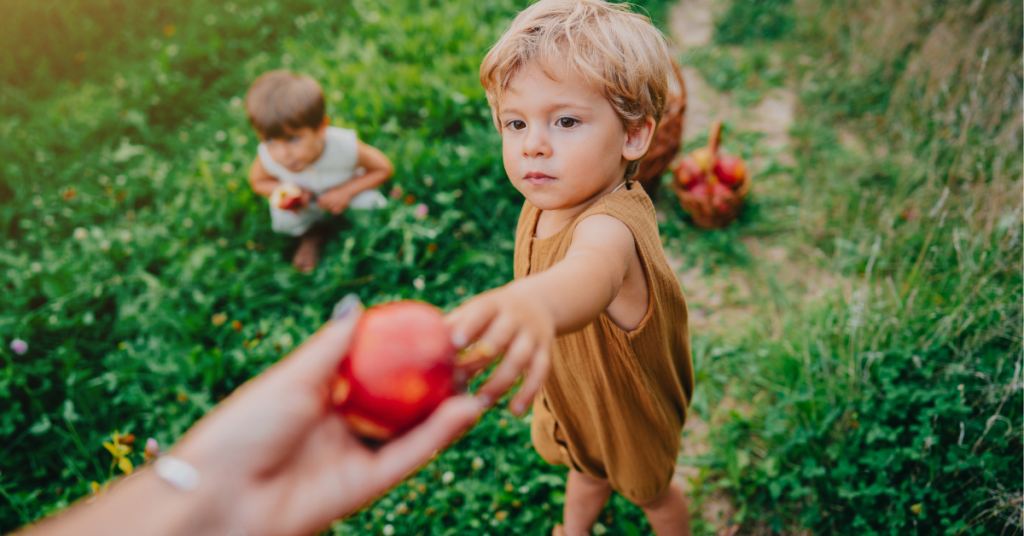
{"points": [[715, 139]]}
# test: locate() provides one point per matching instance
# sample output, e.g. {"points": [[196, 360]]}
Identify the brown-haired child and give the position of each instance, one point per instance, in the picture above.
{"points": [[334, 170], [595, 316]]}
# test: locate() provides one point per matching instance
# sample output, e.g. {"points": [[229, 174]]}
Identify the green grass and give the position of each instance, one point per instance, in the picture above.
{"points": [[852, 407], [892, 405]]}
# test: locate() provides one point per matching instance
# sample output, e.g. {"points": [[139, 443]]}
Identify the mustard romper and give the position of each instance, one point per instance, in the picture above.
{"points": [[614, 403]]}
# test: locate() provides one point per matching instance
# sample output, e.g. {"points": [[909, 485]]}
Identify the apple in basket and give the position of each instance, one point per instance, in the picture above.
{"points": [[731, 170], [399, 368], [286, 196]]}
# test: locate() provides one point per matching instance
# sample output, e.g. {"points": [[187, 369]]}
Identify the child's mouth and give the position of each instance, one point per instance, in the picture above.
{"points": [[536, 179]]}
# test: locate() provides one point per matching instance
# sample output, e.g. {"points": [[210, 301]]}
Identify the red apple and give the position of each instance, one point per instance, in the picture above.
{"points": [[399, 368], [700, 190], [720, 193], [730, 170], [286, 196], [688, 173]]}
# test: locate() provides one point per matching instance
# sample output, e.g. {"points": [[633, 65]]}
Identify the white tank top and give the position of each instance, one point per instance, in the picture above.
{"points": [[337, 164]]}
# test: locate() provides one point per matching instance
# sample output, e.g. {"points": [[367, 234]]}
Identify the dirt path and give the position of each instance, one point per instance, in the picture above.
{"points": [[723, 299]]}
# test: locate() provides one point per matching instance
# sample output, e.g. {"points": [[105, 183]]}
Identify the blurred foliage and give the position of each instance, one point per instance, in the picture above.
{"points": [[754, 20], [893, 405]]}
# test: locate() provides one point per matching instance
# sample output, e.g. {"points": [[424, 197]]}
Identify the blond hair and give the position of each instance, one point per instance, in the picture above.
{"points": [[602, 42]]}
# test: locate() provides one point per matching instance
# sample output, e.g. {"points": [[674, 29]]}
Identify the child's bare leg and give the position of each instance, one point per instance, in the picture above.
{"points": [[585, 496], [308, 254], [669, 513]]}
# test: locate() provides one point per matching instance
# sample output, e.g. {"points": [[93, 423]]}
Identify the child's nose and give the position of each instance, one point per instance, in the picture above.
{"points": [[536, 143]]}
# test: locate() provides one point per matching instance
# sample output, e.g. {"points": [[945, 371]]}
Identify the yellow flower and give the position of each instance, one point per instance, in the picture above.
{"points": [[170, 30], [916, 509], [125, 465], [219, 319]]}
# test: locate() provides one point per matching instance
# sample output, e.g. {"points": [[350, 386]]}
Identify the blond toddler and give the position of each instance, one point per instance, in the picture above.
{"points": [[333, 169], [595, 317]]}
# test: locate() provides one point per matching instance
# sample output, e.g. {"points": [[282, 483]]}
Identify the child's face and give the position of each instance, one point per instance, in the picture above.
{"points": [[562, 141], [298, 148]]}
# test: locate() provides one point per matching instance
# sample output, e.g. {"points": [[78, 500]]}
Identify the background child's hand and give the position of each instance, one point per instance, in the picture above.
{"points": [[504, 321], [335, 200]]}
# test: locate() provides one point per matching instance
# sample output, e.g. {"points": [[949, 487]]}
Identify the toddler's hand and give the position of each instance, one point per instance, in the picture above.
{"points": [[503, 321], [334, 201]]}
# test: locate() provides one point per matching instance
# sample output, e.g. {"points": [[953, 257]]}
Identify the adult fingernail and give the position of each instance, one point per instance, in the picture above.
{"points": [[346, 306], [517, 408], [459, 340]]}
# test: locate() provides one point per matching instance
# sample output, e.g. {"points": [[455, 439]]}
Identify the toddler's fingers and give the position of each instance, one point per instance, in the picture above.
{"points": [[534, 379], [467, 322], [511, 366]]}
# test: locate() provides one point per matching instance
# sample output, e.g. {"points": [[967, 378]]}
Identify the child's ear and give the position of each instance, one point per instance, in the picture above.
{"points": [[638, 140], [324, 124]]}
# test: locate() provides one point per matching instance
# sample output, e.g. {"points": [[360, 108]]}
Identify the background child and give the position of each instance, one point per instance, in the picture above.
{"points": [[595, 316], [297, 146]]}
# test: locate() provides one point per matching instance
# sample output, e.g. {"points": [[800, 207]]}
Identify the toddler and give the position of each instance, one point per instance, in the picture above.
{"points": [[595, 316], [333, 169]]}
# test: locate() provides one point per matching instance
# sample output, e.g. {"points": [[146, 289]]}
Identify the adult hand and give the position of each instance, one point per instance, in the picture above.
{"points": [[335, 200], [284, 460]]}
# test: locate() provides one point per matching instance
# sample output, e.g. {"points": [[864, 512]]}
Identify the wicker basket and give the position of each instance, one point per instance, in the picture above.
{"points": [[705, 214], [668, 137]]}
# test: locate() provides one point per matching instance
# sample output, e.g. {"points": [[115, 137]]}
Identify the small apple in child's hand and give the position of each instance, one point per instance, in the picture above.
{"points": [[400, 367], [286, 196]]}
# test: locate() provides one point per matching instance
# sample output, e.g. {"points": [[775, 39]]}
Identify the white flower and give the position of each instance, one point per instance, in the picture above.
{"points": [[388, 530], [447, 477], [524, 489], [419, 283], [125, 235], [36, 267], [478, 463], [48, 220], [236, 102], [188, 223], [220, 135], [105, 245], [227, 167], [81, 233]]}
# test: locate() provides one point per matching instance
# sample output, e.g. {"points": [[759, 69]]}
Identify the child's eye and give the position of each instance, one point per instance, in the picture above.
{"points": [[517, 124], [567, 122], [293, 139]]}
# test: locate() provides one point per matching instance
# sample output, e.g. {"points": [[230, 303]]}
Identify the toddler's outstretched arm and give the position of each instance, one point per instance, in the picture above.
{"points": [[522, 318]]}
